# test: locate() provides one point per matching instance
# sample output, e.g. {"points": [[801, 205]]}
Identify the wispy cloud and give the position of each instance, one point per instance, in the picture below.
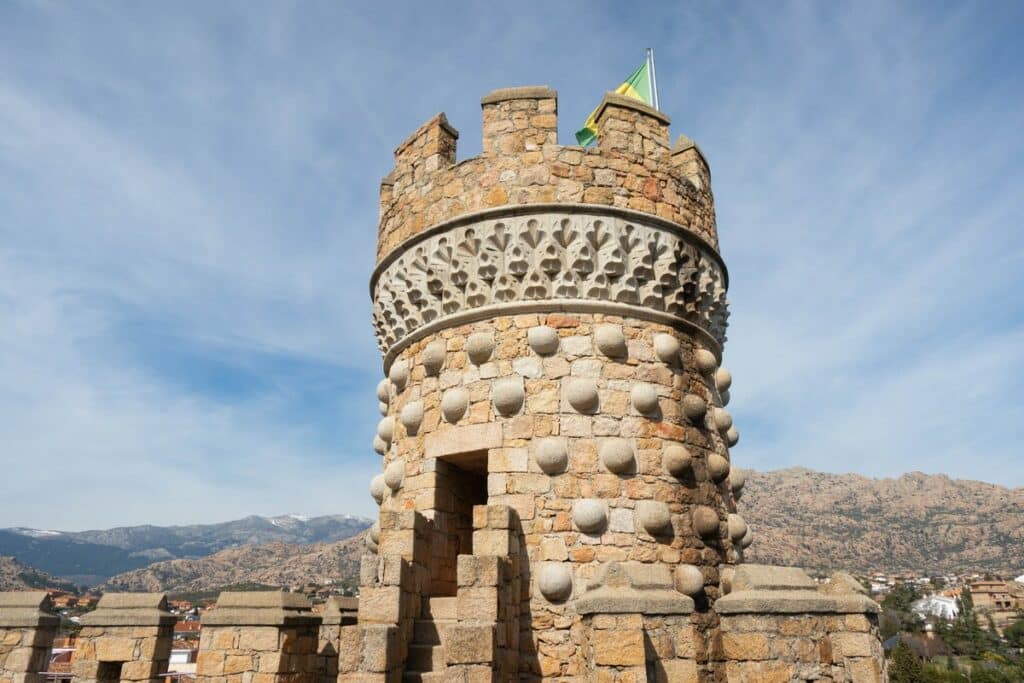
{"points": [[188, 204]]}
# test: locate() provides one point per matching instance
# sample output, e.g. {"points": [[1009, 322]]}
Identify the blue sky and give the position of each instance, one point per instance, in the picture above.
{"points": [[188, 212]]}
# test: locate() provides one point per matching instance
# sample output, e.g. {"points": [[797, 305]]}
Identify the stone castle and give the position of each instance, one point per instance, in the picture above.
{"points": [[557, 500]]}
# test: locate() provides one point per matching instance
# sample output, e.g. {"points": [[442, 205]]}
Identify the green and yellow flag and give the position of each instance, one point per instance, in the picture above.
{"points": [[637, 86]]}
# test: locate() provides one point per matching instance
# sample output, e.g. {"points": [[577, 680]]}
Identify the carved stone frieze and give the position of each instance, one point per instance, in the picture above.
{"points": [[545, 257]]}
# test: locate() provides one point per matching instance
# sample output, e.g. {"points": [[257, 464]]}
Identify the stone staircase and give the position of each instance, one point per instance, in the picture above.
{"points": [[427, 657]]}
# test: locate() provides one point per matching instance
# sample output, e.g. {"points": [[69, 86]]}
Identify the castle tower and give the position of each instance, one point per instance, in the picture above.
{"points": [[557, 499]]}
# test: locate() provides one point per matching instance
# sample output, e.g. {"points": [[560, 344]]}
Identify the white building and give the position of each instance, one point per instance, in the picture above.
{"points": [[936, 606]]}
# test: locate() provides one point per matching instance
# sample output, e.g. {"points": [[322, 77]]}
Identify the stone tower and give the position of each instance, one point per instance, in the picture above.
{"points": [[557, 499]]}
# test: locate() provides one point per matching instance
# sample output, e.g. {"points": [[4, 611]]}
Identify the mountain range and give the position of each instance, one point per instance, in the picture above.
{"points": [[917, 522], [91, 557]]}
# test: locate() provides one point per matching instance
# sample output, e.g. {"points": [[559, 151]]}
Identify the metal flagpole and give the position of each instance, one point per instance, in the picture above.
{"points": [[653, 78]]}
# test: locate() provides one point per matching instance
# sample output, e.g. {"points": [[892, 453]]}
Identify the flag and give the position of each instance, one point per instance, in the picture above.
{"points": [[637, 86]]}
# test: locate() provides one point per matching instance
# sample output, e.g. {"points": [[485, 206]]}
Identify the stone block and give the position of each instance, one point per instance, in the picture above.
{"points": [[676, 671], [469, 643], [111, 649], [264, 638], [379, 648], [618, 648], [478, 603], [478, 570], [745, 646], [853, 645], [380, 605]]}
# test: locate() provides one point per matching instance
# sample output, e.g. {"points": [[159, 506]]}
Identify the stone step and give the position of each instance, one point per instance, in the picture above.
{"points": [[423, 677], [424, 657], [440, 608], [429, 631]]}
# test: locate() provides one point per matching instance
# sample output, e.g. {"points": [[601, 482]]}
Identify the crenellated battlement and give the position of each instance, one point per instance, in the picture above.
{"points": [[633, 166]]}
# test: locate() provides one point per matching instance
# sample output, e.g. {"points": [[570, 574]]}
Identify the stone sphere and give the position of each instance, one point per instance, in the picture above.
{"points": [[737, 527], [394, 474], [386, 429], [377, 487], [552, 455], [508, 395], [380, 445], [542, 339], [653, 516], [412, 416], [737, 480], [676, 460], [725, 579], [582, 394], [723, 379], [688, 579], [723, 420], [725, 396], [433, 357], [617, 455], [590, 515], [383, 391], [645, 398], [555, 582], [375, 532], [666, 347], [706, 361], [747, 539], [718, 467], [705, 521], [732, 436], [399, 374], [383, 408], [454, 404], [371, 545], [479, 347], [610, 341], [694, 407]]}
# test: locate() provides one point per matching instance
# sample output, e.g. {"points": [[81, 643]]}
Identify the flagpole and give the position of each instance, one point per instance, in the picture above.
{"points": [[652, 78]]}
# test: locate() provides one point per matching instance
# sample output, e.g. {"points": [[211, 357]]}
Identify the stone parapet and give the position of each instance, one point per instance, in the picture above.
{"points": [[259, 637], [126, 638], [27, 630], [778, 624], [631, 167]]}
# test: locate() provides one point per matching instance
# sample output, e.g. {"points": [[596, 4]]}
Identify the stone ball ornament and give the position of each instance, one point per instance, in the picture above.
{"points": [[617, 455], [371, 545], [433, 357], [386, 429], [723, 379], [725, 577], [610, 341], [383, 408], [552, 455], [380, 445], [479, 347], [542, 339], [737, 527], [590, 515], [394, 473], [737, 480], [694, 407], [706, 361], [688, 579], [723, 420], [718, 467], [412, 416], [705, 521], [508, 395], [375, 532], [747, 539], [383, 391], [666, 348], [454, 404], [555, 582], [653, 516], [725, 396], [732, 436], [399, 374], [676, 460], [377, 488], [644, 398], [581, 393]]}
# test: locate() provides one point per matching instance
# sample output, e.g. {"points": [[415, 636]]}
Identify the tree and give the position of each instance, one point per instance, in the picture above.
{"points": [[904, 666], [1014, 634]]}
